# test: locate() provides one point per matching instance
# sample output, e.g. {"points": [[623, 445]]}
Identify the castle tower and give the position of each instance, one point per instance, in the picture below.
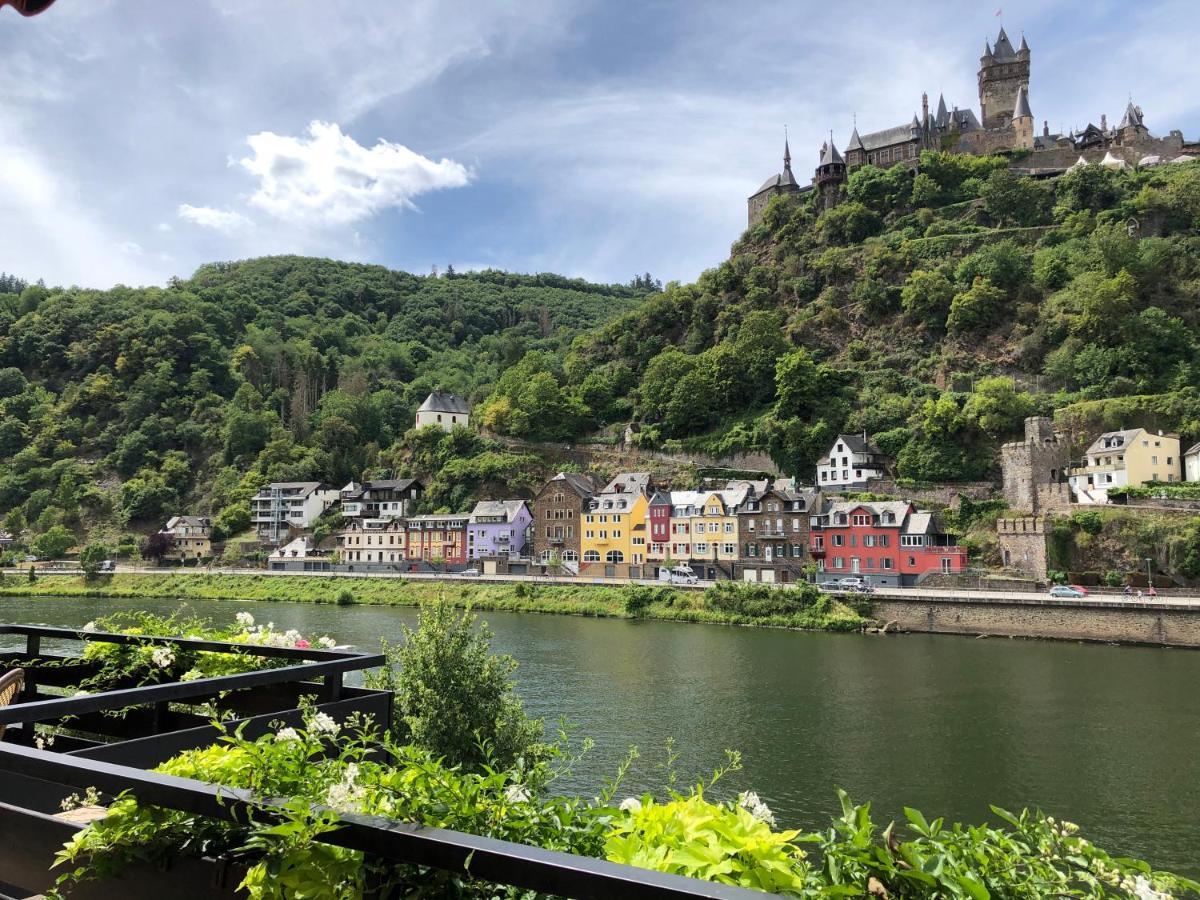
{"points": [[1022, 122], [1002, 72], [829, 177], [783, 183]]}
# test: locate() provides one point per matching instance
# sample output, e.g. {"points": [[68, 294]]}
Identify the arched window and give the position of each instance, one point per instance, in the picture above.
{"points": [[570, 556], [591, 556], [545, 556], [614, 556]]}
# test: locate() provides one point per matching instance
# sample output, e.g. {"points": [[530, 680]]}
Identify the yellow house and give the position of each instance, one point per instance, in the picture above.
{"points": [[614, 523], [1129, 458]]}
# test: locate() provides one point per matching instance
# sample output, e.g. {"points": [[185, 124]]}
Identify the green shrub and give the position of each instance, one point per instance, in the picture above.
{"points": [[759, 600], [1087, 520], [345, 598], [454, 697]]}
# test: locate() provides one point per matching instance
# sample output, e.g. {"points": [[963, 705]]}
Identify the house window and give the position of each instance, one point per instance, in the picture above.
{"points": [[887, 562], [912, 560], [729, 549], [614, 556], [729, 528], [838, 562], [702, 548], [797, 550]]}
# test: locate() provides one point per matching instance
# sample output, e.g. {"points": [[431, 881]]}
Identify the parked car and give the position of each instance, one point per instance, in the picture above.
{"points": [[470, 573], [108, 565], [1067, 592], [1080, 588], [852, 583]]}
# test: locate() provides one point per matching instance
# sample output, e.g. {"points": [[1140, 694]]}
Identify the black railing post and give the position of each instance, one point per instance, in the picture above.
{"points": [[333, 687], [33, 648]]}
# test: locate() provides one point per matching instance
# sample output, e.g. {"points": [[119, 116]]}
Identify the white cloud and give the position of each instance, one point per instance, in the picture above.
{"points": [[133, 248], [328, 178], [222, 220], [163, 227]]}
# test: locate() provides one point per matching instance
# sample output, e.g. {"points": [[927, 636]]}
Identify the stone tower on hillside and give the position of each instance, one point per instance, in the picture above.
{"points": [[1034, 469], [775, 186], [1003, 72], [1022, 122], [829, 177]]}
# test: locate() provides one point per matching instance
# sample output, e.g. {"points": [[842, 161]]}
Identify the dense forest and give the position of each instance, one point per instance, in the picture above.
{"points": [[934, 311], [119, 407]]}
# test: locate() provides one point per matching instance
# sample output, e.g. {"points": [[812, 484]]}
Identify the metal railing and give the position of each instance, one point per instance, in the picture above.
{"points": [[488, 859]]}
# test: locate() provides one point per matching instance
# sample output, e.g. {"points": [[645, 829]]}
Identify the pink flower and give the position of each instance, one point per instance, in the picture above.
{"points": [[303, 644]]}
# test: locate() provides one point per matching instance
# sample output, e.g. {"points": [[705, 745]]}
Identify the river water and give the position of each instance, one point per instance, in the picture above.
{"points": [[1105, 736]]}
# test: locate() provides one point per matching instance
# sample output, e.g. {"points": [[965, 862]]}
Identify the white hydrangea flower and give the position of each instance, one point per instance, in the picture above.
{"points": [[326, 642], [517, 793], [631, 805], [287, 734], [291, 636], [323, 723], [346, 795], [245, 619], [163, 657], [1144, 890], [90, 626], [752, 803]]}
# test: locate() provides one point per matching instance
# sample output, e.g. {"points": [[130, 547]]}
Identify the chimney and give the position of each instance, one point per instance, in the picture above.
{"points": [[924, 106], [1045, 128], [1103, 122]]}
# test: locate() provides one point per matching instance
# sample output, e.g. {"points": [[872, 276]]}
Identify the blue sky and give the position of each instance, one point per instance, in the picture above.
{"points": [[140, 138]]}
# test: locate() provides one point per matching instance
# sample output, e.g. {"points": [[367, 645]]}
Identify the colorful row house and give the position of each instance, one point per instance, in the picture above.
{"points": [[439, 540], [558, 512], [773, 527], [699, 528], [886, 543], [614, 527], [374, 542], [498, 528]]}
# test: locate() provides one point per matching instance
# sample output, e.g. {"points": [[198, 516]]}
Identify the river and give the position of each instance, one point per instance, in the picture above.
{"points": [[1100, 735]]}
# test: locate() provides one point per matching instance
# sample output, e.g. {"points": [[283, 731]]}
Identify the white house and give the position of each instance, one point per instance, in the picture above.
{"points": [[851, 462], [284, 505], [1191, 463], [1131, 457], [445, 410], [392, 498]]}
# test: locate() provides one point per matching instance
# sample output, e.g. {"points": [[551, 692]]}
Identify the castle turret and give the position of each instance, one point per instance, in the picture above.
{"points": [[783, 183], [1002, 71], [830, 176], [1022, 121]]}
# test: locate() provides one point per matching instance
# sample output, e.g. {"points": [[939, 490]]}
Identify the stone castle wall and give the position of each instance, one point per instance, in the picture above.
{"points": [[1133, 622], [1032, 469], [943, 494]]}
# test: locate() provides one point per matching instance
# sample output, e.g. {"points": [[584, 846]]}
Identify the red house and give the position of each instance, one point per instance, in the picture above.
{"points": [[888, 544]]}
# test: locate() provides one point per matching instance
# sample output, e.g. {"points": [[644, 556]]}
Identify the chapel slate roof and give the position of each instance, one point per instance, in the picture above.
{"points": [[1003, 51], [445, 402], [1195, 448], [885, 138]]}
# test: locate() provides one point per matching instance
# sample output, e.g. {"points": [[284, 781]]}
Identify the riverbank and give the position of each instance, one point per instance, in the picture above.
{"points": [[598, 601]]}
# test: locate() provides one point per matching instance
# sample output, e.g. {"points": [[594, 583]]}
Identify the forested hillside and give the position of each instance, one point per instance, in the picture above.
{"points": [[122, 406], [934, 311]]}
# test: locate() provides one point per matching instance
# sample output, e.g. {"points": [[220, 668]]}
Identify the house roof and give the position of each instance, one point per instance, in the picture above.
{"points": [[1195, 448], [898, 508], [508, 509], [628, 483], [580, 484], [190, 521], [443, 401], [920, 523], [857, 443], [304, 487], [1127, 437]]}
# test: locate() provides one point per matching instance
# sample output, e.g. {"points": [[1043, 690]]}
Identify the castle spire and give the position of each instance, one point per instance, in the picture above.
{"points": [[787, 153], [1021, 110]]}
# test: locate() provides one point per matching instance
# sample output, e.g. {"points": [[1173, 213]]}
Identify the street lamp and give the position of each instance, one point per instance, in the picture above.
{"points": [[1149, 579]]}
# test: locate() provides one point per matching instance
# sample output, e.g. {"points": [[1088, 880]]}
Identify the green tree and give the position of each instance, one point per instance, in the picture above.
{"points": [[997, 407], [454, 697], [53, 543], [1013, 199], [977, 308], [92, 557], [926, 297]]}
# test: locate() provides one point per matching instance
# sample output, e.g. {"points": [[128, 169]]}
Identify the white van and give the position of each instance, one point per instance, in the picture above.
{"points": [[678, 575]]}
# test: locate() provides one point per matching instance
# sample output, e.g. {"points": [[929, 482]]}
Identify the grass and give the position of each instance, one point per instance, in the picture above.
{"points": [[567, 599]]}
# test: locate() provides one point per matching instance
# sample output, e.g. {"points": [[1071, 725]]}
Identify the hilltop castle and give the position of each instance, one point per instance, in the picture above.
{"points": [[1005, 124]]}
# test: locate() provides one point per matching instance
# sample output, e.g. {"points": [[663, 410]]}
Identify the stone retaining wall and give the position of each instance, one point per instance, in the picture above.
{"points": [[942, 494], [1140, 623]]}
